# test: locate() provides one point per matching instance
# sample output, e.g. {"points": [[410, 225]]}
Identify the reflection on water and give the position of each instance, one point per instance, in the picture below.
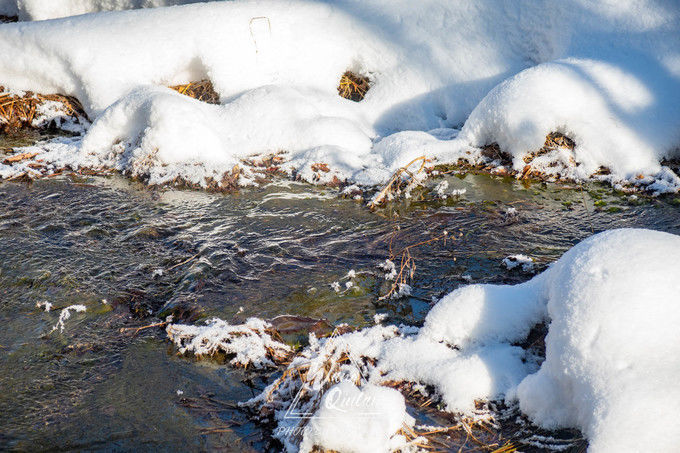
{"points": [[131, 254]]}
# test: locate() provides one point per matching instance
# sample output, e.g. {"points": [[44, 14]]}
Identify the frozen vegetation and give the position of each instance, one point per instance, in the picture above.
{"points": [[250, 343], [445, 80]]}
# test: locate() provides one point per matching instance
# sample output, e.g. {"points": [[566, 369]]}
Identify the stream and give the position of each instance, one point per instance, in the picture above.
{"points": [[134, 255]]}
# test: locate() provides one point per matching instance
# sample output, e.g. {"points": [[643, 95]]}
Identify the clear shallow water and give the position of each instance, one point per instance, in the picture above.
{"points": [[269, 251]]}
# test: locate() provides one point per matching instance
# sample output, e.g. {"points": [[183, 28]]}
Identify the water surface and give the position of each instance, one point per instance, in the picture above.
{"points": [[132, 255]]}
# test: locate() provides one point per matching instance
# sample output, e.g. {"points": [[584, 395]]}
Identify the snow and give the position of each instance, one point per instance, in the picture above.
{"points": [[612, 348], [250, 343], [356, 420], [390, 268], [47, 306], [441, 190], [630, 124], [446, 79], [513, 261], [50, 9], [65, 314]]}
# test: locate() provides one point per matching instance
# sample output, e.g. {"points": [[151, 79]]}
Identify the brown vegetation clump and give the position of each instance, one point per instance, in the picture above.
{"points": [[202, 90], [353, 86], [553, 141], [17, 111], [493, 152], [403, 181]]}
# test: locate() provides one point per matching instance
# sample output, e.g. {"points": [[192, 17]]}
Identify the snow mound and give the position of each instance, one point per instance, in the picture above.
{"points": [[613, 345], [617, 119], [149, 131], [351, 419], [612, 348]]}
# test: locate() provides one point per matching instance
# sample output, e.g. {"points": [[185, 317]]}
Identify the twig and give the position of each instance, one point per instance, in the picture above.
{"points": [[184, 262], [383, 194], [139, 329]]}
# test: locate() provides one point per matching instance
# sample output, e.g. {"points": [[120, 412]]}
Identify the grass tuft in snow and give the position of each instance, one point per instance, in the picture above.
{"points": [[28, 109], [202, 90], [353, 86]]}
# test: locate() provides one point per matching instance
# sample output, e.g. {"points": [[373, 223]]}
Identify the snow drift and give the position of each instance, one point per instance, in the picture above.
{"points": [[612, 344], [607, 75], [612, 347]]}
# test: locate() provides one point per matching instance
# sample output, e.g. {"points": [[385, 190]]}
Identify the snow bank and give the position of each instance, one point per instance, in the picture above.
{"points": [[605, 74], [612, 349], [613, 345], [615, 116], [51, 9]]}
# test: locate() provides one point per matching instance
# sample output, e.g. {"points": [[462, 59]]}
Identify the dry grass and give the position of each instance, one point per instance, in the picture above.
{"points": [[480, 433], [407, 264], [402, 182], [19, 111], [202, 90], [553, 141], [353, 86], [495, 155]]}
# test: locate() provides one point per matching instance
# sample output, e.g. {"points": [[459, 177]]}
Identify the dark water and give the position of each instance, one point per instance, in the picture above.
{"points": [[260, 252]]}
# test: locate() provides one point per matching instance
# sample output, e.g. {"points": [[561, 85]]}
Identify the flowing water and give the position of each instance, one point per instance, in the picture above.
{"points": [[133, 255]]}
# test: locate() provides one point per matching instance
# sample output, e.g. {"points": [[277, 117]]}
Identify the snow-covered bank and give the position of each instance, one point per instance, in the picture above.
{"points": [[611, 360], [605, 74]]}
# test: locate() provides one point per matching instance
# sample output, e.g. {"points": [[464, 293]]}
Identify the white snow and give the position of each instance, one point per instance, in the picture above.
{"points": [[65, 314], [607, 74], [47, 306], [390, 268], [250, 343], [513, 261], [616, 117], [612, 348], [613, 345], [352, 419]]}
